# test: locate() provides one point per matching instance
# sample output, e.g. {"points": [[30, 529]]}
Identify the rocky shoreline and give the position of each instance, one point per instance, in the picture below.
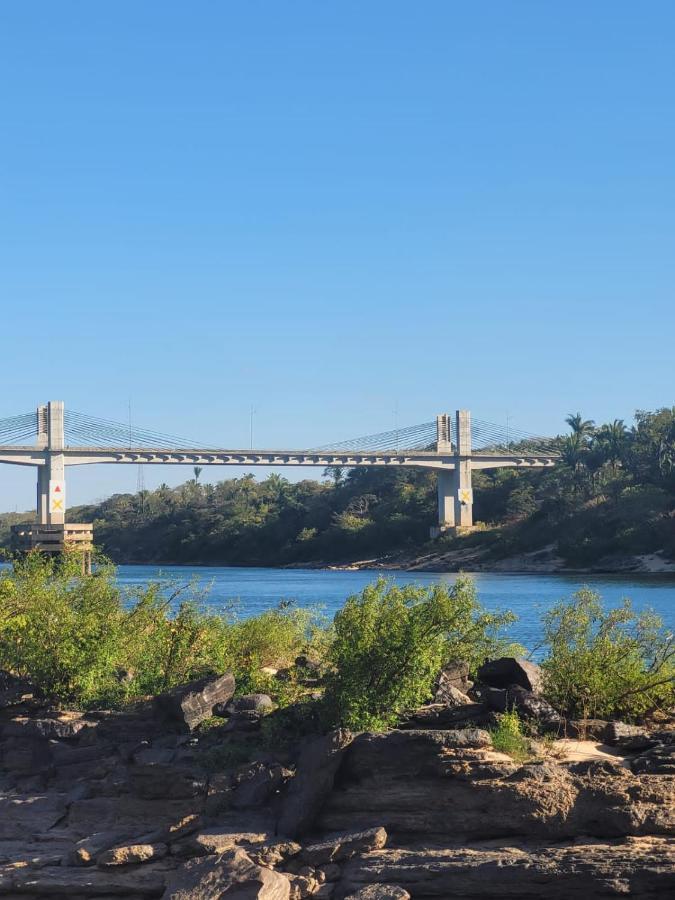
{"points": [[475, 559], [130, 804]]}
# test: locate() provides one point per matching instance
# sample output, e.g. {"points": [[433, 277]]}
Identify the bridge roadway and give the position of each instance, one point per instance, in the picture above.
{"points": [[451, 455], [80, 456]]}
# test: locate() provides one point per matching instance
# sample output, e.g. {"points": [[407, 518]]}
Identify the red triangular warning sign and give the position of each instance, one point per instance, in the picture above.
{"points": [[57, 489]]}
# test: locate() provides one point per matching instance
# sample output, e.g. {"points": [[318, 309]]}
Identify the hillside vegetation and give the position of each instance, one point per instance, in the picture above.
{"points": [[612, 494]]}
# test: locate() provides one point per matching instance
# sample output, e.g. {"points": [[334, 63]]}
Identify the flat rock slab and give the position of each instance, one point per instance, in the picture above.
{"points": [[70, 882], [640, 868], [24, 815]]}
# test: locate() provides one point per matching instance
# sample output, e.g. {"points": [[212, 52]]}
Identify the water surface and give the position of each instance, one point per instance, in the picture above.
{"points": [[528, 596]]}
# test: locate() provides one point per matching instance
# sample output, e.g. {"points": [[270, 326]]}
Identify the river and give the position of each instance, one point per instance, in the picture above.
{"points": [[528, 596]]}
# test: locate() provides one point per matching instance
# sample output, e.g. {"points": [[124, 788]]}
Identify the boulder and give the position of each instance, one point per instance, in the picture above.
{"points": [[380, 892], [233, 874], [454, 674], [130, 854], [259, 703], [189, 704], [317, 766], [344, 846], [452, 696], [509, 670], [257, 784]]}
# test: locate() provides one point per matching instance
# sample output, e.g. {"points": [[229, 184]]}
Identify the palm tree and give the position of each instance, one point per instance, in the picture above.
{"points": [[570, 450], [198, 471], [611, 440], [581, 427]]}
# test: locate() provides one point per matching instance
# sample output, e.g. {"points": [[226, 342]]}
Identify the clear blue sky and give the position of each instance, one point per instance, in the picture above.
{"points": [[333, 211]]}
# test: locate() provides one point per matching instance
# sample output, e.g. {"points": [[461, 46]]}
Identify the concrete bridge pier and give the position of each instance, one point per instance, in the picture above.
{"points": [[51, 484], [455, 494]]}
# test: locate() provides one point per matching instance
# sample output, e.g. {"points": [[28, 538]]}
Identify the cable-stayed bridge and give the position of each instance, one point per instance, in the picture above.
{"points": [[52, 438]]}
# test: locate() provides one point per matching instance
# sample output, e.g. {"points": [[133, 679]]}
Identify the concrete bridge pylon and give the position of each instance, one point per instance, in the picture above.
{"points": [[455, 493], [51, 480]]}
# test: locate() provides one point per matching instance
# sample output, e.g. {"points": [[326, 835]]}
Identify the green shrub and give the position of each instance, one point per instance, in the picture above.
{"points": [[390, 642], [59, 628], [74, 635], [508, 736], [607, 663]]}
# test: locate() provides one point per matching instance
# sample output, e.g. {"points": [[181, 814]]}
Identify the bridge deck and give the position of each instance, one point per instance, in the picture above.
{"points": [[238, 457]]}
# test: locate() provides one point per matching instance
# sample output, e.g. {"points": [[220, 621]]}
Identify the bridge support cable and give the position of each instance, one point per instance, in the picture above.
{"points": [[414, 437], [15, 429], [498, 439], [95, 432]]}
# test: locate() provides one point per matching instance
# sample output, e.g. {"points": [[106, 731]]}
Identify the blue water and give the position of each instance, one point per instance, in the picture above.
{"points": [[252, 590], [528, 596]]}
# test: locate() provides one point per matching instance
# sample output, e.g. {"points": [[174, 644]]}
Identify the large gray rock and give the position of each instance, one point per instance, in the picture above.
{"points": [[317, 766], [508, 670], [232, 875], [189, 704]]}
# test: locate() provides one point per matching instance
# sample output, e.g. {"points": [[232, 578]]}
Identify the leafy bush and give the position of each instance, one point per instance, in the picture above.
{"points": [[390, 642], [84, 641], [508, 736], [607, 663]]}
